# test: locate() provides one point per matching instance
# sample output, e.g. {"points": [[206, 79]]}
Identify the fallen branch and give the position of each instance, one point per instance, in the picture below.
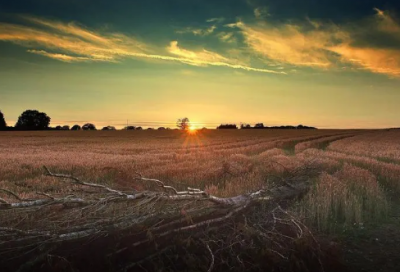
{"points": [[138, 220]]}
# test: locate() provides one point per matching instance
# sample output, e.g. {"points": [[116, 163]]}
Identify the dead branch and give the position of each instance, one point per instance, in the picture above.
{"points": [[145, 218], [78, 181]]}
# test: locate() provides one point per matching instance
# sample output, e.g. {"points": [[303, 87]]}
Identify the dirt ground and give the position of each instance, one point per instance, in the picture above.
{"points": [[374, 249]]}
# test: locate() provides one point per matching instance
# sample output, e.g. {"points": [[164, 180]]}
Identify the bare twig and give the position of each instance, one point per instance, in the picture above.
{"points": [[11, 193], [212, 258], [46, 195], [78, 181]]}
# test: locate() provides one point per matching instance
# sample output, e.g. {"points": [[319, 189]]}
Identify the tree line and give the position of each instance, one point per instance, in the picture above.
{"points": [[261, 126], [36, 120]]}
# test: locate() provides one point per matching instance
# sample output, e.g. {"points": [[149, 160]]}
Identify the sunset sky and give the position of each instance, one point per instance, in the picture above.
{"points": [[330, 64]]}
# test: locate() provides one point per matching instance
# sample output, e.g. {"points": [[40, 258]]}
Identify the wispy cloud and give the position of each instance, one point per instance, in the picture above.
{"points": [[324, 45], [216, 20], [227, 37], [202, 56], [198, 31], [261, 13], [205, 58], [386, 22], [69, 42], [72, 40], [383, 61], [61, 57], [289, 43], [378, 59]]}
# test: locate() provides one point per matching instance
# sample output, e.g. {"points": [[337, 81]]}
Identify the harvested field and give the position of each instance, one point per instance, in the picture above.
{"points": [[343, 183]]}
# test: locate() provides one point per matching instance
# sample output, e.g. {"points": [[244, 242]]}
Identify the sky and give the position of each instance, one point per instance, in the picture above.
{"points": [[329, 64]]}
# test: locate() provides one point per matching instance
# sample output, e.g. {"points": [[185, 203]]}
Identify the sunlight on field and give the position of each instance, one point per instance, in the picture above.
{"points": [[350, 187]]}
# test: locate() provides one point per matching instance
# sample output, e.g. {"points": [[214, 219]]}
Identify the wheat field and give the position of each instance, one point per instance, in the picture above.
{"points": [[356, 167]]}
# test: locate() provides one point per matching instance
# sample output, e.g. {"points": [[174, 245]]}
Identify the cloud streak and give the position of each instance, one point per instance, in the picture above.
{"points": [[61, 57], [326, 45], [73, 43], [289, 44], [198, 31], [205, 58]]}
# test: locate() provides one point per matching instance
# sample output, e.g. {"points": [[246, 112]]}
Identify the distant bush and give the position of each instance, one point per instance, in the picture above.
{"points": [[76, 127], [261, 126], [89, 126], [227, 126], [108, 128]]}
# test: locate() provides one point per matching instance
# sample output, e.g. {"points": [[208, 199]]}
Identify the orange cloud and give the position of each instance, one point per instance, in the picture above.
{"points": [[73, 43], [104, 48], [386, 22], [375, 59], [202, 56], [60, 57], [383, 61], [288, 44], [324, 45], [205, 58]]}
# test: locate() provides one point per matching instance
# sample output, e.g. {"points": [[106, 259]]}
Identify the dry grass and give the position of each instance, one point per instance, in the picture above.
{"points": [[349, 197], [382, 144], [234, 162], [225, 163]]}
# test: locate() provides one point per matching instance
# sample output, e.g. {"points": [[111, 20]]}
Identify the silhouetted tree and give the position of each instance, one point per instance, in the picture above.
{"points": [[150, 128], [183, 123], [108, 128], [227, 126], [305, 127], [65, 127], [129, 128], [3, 124], [89, 126], [76, 127], [139, 128], [58, 127], [33, 120], [259, 126], [245, 126], [161, 128]]}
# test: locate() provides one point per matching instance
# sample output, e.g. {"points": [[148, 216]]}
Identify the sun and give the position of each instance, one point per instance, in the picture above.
{"points": [[192, 129]]}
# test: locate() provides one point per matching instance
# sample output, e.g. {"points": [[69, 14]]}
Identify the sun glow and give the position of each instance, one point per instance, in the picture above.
{"points": [[192, 129]]}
